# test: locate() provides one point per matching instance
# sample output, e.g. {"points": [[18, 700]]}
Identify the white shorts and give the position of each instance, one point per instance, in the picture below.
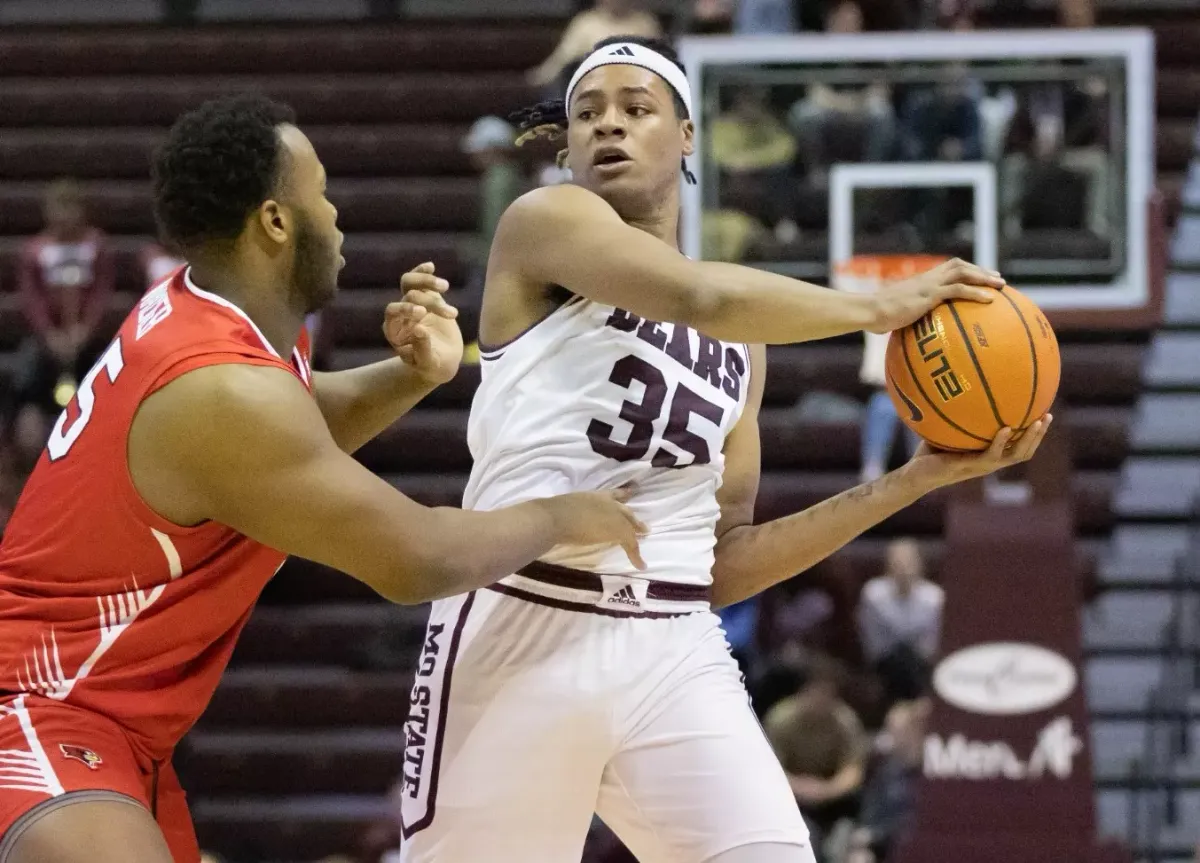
{"points": [[527, 719]]}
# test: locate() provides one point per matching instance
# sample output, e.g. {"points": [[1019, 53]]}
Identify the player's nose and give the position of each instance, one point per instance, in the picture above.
{"points": [[611, 123]]}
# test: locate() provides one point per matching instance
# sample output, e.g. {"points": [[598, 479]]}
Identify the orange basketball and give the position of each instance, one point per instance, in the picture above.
{"points": [[967, 370]]}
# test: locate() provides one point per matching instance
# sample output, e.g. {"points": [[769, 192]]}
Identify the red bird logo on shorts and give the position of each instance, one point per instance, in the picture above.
{"points": [[84, 756]]}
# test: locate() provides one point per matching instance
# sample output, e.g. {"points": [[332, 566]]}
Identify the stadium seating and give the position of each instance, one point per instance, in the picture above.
{"points": [[302, 738]]}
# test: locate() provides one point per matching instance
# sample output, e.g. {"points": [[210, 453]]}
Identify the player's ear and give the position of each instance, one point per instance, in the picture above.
{"points": [[688, 128], [275, 221]]}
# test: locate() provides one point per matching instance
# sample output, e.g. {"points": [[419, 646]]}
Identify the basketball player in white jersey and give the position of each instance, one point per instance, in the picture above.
{"points": [[583, 684]]}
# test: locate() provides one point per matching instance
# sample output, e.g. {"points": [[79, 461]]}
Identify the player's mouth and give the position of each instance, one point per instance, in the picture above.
{"points": [[610, 160]]}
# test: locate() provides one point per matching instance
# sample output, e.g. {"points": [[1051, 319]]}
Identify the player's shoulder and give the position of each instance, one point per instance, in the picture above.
{"points": [[553, 204], [232, 388]]}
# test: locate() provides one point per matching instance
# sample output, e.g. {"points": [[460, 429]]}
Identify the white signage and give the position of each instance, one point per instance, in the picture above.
{"points": [[1004, 678], [956, 757]]}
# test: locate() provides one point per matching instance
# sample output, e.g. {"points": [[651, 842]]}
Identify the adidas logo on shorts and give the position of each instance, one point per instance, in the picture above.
{"points": [[625, 596]]}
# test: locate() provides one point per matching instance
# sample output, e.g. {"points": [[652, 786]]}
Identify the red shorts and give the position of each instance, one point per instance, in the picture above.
{"points": [[49, 750]]}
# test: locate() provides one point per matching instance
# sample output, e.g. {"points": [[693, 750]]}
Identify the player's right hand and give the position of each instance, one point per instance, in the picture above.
{"points": [[907, 302], [938, 469], [598, 518]]}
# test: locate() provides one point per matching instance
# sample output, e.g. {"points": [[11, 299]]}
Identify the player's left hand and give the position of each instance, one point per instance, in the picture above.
{"points": [[938, 468], [422, 327]]}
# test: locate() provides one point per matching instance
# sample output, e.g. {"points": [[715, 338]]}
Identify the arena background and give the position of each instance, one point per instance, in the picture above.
{"points": [[1063, 720]]}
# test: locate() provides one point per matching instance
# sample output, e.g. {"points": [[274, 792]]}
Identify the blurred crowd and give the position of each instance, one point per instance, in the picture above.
{"points": [[773, 146], [838, 672], [65, 281]]}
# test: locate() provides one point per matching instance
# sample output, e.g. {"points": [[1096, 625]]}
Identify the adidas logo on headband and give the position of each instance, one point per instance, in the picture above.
{"points": [[635, 55]]}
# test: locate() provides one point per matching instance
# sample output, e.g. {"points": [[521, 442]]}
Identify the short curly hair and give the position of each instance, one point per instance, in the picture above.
{"points": [[218, 163]]}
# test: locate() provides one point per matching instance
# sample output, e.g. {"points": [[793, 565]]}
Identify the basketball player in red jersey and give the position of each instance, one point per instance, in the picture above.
{"points": [[200, 451]]}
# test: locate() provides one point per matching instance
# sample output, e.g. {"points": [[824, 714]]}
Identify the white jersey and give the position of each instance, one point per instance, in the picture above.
{"points": [[593, 397]]}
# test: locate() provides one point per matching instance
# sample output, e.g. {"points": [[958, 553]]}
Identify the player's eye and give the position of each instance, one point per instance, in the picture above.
{"points": [[638, 110], [586, 114]]}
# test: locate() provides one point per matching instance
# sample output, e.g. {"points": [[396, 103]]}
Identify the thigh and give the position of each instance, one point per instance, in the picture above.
{"points": [[60, 765], [697, 777], [501, 763], [85, 827]]}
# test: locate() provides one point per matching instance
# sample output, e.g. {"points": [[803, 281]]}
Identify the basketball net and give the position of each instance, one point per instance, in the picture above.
{"points": [[866, 274]]}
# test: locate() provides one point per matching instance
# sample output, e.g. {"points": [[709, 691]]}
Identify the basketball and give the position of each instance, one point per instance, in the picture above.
{"points": [[967, 370]]}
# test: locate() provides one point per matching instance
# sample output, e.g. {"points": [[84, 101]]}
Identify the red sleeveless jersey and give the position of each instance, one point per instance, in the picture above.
{"points": [[103, 604]]}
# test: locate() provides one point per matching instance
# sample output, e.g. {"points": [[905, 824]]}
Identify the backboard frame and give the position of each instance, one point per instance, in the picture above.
{"points": [[1132, 289], [845, 178]]}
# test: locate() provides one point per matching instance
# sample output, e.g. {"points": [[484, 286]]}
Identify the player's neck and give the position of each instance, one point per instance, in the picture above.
{"points": [[663, 225], [277, 322]]}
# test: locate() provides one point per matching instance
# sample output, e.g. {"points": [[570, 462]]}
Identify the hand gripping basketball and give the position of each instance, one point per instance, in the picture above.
{"points": [[906, 302], [937, 468]]}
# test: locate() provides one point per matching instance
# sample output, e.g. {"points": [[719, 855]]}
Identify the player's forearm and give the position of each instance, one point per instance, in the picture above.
{"points": [[360, 403], [752, 558], [743, 304], [467, 550]]}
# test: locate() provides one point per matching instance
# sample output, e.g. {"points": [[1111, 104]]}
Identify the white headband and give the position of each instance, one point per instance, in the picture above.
{"points": [[632, 54]]}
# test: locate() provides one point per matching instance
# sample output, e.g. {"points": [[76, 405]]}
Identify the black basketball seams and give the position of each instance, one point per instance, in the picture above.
{"points": [[1033, 353], [987, 389], [920, 389]]}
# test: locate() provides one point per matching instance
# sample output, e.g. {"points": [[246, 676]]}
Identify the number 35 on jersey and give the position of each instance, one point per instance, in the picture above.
{"points": [[695, 417]]}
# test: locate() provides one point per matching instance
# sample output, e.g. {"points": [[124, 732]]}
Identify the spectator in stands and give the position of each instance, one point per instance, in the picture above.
{"points": [[822, 747], [66, 279], [491, 145], [900, 621], [943, 122], [1071, 13], [1057, 162], [740, 623], [710, 16], [157, 263], [605, 19], [748, 137], [944, 15], [880, 420], [889, 795], [764, 17], [842, 120], [755, 151]]}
